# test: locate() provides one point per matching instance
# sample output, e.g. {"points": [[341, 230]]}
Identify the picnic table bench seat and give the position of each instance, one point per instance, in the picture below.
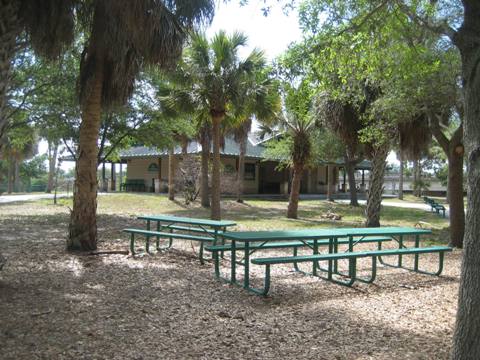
{"points": [[353, 256], [160, 234]]}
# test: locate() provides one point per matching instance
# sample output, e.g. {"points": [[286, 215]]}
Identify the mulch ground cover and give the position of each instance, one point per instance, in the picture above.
{"points": [[56, 305]]}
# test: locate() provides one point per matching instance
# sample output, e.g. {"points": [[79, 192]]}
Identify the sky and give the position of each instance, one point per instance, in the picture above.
{"points": [[272, 33]]}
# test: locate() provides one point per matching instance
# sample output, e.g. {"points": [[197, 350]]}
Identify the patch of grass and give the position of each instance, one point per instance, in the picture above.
{"points": [[255, 214]]}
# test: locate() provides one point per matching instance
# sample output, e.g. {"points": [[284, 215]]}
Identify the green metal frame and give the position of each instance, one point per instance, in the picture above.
{"points": [[161, 227], [416, 260]]}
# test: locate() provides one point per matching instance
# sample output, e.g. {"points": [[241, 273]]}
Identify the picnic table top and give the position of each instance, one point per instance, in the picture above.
{"points": [[325, 233], [190, 221]]}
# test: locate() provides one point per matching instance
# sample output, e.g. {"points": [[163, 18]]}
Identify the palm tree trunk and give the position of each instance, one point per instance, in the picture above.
{"points": [[400, 180], [113, 177], [204, 191], [52, 162], [216, 213], [10, 172], [241, 169], [171, 174], [415, 177], [83, 220], [9, 30], [292, 212], [352, 184], [16, 175], [330, 183], [374, 199]]}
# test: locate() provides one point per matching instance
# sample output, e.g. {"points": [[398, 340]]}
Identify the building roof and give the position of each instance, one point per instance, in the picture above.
{"points": [[231, 148], [255, 150]]}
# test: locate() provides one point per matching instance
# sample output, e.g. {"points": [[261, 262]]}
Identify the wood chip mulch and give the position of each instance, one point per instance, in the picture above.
{"points": [[55, 305]]}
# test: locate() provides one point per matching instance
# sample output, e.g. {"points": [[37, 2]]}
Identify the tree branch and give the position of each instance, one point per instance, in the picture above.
{"points": [[441, 28], [436, 130]]}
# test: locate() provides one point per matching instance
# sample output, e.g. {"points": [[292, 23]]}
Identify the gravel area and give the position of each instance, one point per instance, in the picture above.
{"points": [[54, 305]]}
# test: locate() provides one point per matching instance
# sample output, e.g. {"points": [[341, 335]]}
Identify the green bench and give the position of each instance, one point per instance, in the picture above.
{"points": [[159, 234], [353, 256], [434, 205], [133, 185]]}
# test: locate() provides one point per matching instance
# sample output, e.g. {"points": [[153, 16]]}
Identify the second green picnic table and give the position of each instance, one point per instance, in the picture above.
{"points": [[248, 242], [177, 227]]}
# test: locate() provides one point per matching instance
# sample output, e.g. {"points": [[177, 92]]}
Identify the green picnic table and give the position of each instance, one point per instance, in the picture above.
{"points": [[176, 227], [249, 242]]}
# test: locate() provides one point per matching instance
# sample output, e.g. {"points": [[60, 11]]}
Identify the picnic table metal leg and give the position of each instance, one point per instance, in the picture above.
{"points": [[132, 243], [373, 275], [351, 262], [335, 250], [400, 245], [158, 237], [295, 264], [233, 275], [147, 239], [200, 254], [417, 245], [246, 279], [330, 263], [315, 252]]}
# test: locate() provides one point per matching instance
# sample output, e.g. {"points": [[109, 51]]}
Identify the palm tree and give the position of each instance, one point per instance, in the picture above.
{"points": [[48, 27], [116, 47], [204, 137], [345, 121], [261, 100], [210, 81], [300, 130]]}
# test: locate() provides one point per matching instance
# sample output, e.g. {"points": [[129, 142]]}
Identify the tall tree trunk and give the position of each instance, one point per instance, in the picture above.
{"points": [[104, 178], [292, 212], [352, 184], [9, 30], [374, 199], [113, 177], [10, 172], [16, 175], [241, 169], [52, 162], [216, 210], [204, 191], [455, 191], [330, 183], [171, 174], [83, 220], [454, 150], [416, 178], [400, 180], [467, 332]]}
